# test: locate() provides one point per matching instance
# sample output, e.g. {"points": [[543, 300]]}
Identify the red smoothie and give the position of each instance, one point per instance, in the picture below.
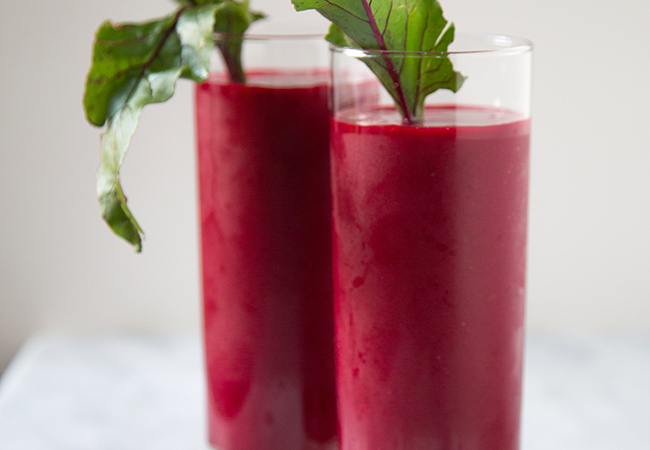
{"points": [[429, 274], [265, 203]]}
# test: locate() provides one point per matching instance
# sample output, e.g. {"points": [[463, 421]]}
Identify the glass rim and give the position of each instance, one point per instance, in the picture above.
{"points": [[503, 45], [270, 36]]}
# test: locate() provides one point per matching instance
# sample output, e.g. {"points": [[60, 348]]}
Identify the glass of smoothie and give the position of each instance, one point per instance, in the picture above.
{"points": [[429, 226], [265, 217]]}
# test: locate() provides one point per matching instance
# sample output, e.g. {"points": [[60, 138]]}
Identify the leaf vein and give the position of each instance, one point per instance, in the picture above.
{"points": [[156, 52], [346, 11]]}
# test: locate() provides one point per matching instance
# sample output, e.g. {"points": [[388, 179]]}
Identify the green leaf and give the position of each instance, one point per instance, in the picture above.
{"points": [[138, 64], [336, 36], [194, 28], [401, 25], [135, 65], [198, 2], [120, 53], [233, 19]]}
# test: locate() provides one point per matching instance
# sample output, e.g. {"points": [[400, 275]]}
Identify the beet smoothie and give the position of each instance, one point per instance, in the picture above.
{"points": [[429, 274], [265, 204]]}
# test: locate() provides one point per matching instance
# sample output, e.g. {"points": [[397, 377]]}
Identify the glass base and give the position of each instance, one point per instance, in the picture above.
{"points": [[311, 445]]}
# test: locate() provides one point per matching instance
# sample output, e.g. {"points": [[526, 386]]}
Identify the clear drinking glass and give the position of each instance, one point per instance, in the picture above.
{"points": [[265, 203], [429, 252]]}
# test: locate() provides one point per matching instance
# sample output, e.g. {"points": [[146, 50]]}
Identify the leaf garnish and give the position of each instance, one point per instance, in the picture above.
{"points": [[138, 64], [401, 26], [232, 20]]}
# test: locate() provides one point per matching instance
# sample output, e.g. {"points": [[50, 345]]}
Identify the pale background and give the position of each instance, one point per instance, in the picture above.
{"points": [[61, 269]]}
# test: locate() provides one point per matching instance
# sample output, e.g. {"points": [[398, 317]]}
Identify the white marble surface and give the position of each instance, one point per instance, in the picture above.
{"points": [[128, 392], [587, 393], [120, 392]]}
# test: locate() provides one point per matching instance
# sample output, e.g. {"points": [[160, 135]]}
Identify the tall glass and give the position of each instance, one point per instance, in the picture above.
{"points": [[265, 203], [429, 254]]}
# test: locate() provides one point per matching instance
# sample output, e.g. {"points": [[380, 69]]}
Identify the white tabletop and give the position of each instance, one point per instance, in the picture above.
{"points": [[136, 392]]}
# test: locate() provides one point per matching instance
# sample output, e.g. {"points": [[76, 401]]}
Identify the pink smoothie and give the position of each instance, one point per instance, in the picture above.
{"points": [[265, 227], [429, 262]]}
